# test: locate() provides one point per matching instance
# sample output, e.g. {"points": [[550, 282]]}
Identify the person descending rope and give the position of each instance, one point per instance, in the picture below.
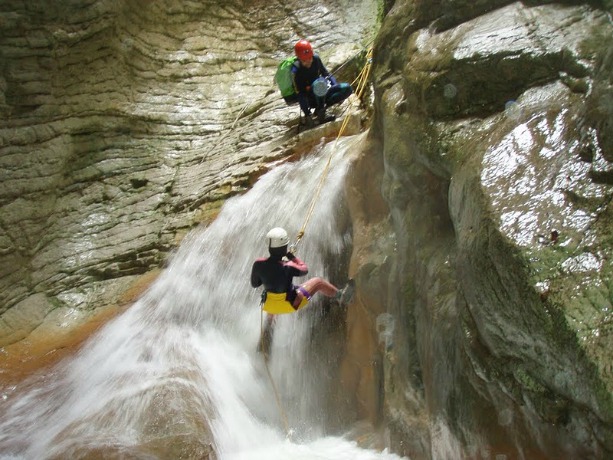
{"points": [[316, 88], [280, 295]]}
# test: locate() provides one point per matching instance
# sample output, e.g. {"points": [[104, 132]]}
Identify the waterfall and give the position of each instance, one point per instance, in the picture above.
{"points": [[183, 360]]}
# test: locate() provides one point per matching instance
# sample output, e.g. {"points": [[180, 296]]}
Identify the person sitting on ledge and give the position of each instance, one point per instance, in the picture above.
{"points": [[316, 88]]}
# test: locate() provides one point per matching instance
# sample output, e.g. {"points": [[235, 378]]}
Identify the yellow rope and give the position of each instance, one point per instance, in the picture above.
{"points": [[362, 80]]}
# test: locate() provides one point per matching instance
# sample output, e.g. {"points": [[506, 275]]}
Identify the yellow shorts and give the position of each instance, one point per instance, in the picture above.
{"points": [[277, 305]]}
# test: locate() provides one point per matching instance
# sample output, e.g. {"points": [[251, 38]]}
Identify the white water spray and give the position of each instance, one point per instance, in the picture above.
{"points": [[182, 359]]}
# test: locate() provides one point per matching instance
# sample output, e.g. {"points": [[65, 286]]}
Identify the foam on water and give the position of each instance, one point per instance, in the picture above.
{"points": [[187, 347]]}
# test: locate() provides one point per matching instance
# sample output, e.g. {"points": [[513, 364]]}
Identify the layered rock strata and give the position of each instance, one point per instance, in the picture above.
{"points": [[124, 124]]}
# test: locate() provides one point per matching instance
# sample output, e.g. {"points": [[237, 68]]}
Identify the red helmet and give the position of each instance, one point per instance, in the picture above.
{"points": [[303, 49]]}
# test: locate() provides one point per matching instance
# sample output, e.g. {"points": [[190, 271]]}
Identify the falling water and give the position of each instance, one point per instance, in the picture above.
{"points": [[182, 360]]}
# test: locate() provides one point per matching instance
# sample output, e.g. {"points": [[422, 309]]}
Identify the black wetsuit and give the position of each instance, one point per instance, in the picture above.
{"points": [[276, 275], [304, 77]]}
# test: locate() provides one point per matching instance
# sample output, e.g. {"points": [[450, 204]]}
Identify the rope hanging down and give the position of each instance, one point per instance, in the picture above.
{"points": [[361, 80]]}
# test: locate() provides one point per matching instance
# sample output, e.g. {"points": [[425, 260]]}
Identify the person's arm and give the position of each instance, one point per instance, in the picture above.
{"points": [[303, 99], [297, 264], [256, 281], [324, 72]]}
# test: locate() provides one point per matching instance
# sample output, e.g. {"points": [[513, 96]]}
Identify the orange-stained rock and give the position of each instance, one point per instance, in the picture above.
{"points": [[42, 349]]}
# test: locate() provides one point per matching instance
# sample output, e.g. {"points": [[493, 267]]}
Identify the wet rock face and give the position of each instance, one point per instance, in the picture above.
{"points": [[124, 124], [481, 205], [495, 136]]}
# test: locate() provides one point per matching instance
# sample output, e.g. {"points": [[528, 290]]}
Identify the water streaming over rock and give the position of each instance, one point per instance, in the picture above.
{"points": [[180, 365]]}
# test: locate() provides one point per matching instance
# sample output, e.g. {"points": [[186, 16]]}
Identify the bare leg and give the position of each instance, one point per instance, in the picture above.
{"points": [[315, 285]]}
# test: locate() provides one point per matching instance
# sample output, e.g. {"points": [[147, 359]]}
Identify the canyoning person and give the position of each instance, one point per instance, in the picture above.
{"points": [[316, 88], [280, 295]]}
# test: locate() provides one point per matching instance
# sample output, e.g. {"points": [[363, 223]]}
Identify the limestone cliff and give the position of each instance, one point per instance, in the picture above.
{"points": [[124, 124], [481, 202], [485, 301]]}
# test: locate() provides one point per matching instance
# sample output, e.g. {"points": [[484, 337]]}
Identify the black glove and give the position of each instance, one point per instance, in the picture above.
{"points": [[290, 256]]}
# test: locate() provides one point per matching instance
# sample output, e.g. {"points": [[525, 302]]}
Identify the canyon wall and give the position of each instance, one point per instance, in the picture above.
{"points": [[480, 200], [484, 258]]}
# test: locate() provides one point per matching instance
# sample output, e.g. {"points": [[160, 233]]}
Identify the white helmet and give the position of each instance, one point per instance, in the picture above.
{"points": [[277, 238]]}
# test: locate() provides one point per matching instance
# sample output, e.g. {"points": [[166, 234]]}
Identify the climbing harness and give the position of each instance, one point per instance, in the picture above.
{"points": [[277, 304]]}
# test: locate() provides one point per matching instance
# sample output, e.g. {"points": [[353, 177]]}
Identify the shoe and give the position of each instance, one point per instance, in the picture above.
{"points": [[322, 117], [345, 295], [308, 121]]}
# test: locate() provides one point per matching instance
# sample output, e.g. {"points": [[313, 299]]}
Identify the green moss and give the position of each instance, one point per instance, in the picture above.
{"points": [[528, 382], [55, 303], [207, 212], [382, 10], [598, 40]]}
